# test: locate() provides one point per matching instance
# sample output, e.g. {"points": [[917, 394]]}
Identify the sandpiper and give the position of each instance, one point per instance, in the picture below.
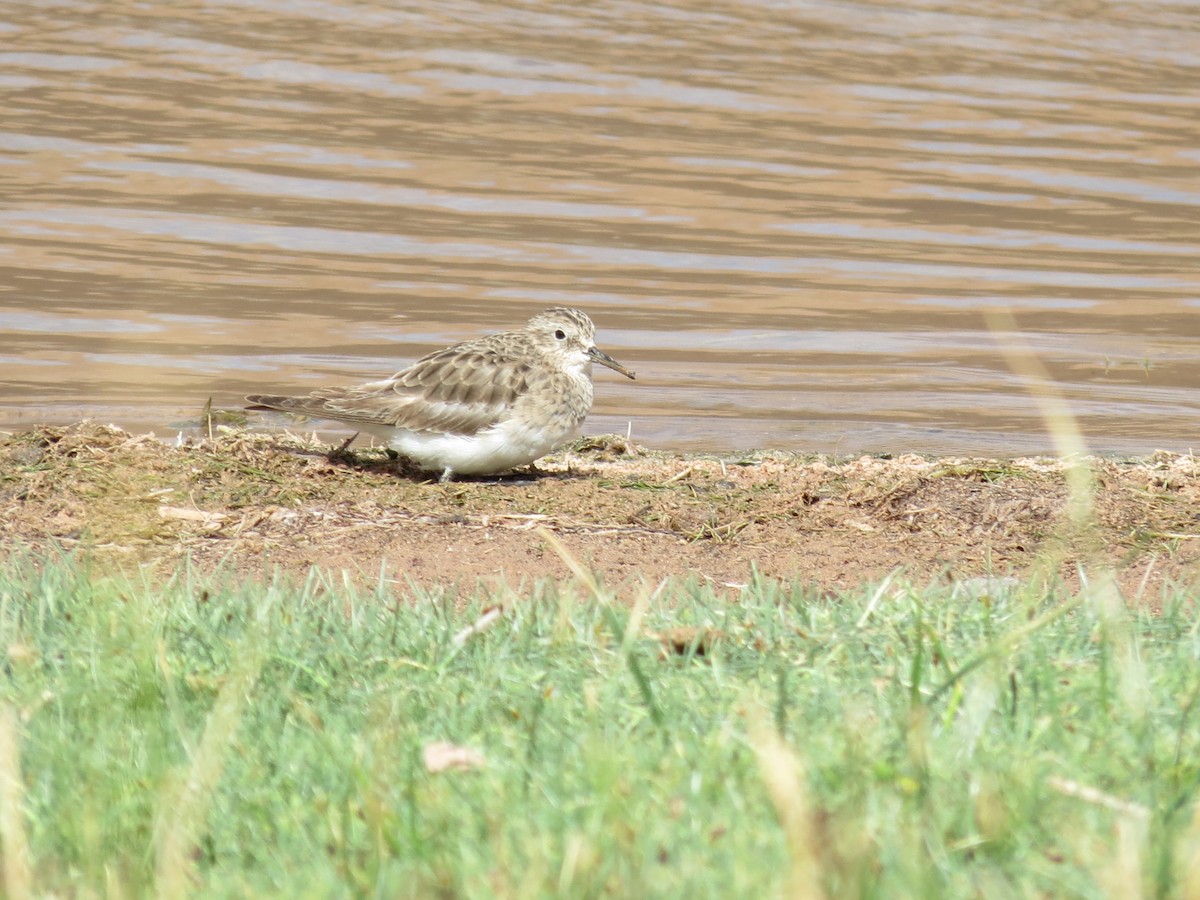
{"points": [[477, 408]]}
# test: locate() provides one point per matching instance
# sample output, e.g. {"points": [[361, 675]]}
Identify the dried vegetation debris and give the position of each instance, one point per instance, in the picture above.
{"points": [[239, 495]]}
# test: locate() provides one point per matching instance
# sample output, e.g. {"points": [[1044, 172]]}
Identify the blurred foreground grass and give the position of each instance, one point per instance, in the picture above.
{"points": [[210, 738]]}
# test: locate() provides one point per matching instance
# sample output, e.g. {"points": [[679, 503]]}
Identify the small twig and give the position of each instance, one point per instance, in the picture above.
{"points": [[1145, 579], [207, 418], [483, 623], [577, 568], [679, 475], [874, 601], [1097, 797]]}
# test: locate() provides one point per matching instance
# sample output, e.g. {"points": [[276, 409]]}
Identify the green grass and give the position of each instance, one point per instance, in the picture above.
{"points": [[221, 739]]}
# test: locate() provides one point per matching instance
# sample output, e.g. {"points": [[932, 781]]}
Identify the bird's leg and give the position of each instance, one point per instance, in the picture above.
{"points": [[343, 452], [447, 476]]}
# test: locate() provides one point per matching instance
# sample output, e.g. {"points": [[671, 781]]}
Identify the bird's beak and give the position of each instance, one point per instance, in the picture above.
{"points": [[604, 359]]}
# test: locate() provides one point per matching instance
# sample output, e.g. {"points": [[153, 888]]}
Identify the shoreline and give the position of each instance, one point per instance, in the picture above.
{"points": [[254, 502]]}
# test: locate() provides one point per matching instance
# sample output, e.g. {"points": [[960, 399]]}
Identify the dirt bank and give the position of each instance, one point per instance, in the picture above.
{"points": [[256, 501]]}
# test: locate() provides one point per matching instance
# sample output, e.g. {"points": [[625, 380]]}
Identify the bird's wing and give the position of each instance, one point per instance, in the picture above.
{"points": [[458, 390]]}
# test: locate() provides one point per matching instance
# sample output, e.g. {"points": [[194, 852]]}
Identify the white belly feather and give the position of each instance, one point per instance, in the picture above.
{"points": [[508, 444]]}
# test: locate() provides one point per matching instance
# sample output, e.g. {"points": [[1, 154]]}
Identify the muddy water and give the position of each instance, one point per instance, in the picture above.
{"points": [[793, 219]]}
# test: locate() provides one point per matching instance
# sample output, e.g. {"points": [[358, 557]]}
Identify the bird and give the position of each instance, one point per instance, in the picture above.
{"points": [[479, 407]]}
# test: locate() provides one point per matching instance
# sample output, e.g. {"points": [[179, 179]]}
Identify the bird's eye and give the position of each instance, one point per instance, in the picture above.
{"points": [[560, 334]]}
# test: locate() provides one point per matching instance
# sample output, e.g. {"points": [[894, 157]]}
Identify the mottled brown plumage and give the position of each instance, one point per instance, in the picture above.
{"points": [[478, 407]]}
